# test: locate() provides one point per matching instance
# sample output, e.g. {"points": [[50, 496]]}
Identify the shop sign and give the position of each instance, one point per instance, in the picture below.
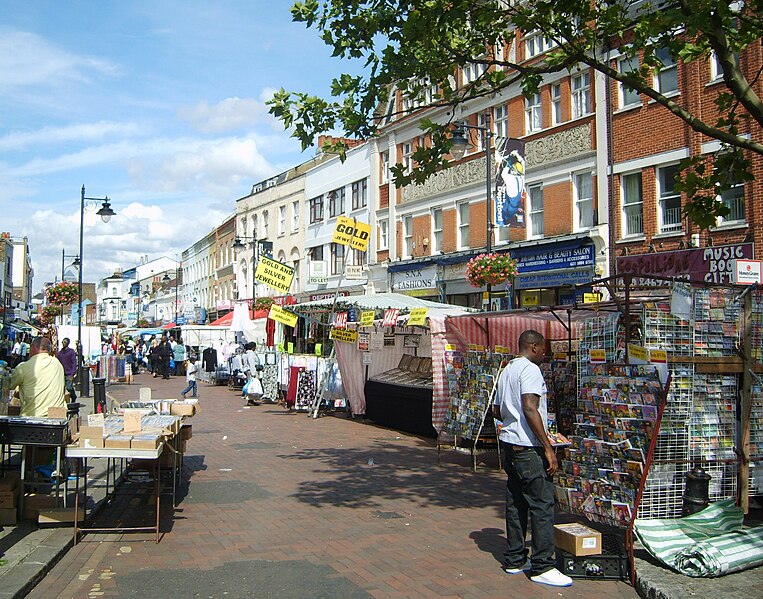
{"points": [[711, 264], [535, 260], [278, 314], [418, 316], [416, 278], [530, 298], [344, 335], [367, 318], [349, 231], [317, 272], [454, 272], [274, 274], [591, 298], [554, 279], [224, 305], [353, 272], [316, 297], [747, 272], [285, 300]]}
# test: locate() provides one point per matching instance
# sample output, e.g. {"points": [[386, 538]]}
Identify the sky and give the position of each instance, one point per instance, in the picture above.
{"points": [[159, 105]]}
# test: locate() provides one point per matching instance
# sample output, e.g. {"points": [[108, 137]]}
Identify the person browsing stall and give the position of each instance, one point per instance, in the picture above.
{"points": [[529, 462], [190, 377], [40, 380], [68, 358]]}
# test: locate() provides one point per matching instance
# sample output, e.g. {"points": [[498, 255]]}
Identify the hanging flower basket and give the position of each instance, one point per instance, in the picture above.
{"points": [[490, 269], [62, 294], [49, 313]]}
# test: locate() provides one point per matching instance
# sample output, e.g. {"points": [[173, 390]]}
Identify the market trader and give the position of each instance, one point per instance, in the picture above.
{"points": [[40, 380], [529, 462], [68, 358]]}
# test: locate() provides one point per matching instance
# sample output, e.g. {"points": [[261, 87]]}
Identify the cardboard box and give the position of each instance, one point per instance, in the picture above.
{"points": [[145, 441], [87, 443], [10, 481], [577, 539], [59, 515], [34, 502], [91, 432], [180, 408], [118, 442], [9, 498], [7, 516]]}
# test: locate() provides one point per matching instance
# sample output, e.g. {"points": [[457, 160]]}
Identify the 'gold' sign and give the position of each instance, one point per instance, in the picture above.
{"points": [[350, 232], [278, 314], [367, 318], [345, 335], [274, 274]]}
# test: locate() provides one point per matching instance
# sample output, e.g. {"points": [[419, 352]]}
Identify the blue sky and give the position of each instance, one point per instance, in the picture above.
{"points": [[158, 104]]}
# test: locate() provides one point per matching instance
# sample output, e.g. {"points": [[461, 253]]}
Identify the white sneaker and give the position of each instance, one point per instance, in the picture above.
{"points": [[524, 568], [553, 578]]}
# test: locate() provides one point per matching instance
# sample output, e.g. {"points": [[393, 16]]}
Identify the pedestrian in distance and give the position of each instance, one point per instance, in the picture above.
{"points": [[529, 461], [68, 358], [190, 377], [165, 355]]}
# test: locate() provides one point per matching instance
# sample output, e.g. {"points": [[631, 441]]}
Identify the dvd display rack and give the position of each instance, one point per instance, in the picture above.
{"points": [[598, 332], [664, 331], [600, 474], [756, 439], [716, 322]]}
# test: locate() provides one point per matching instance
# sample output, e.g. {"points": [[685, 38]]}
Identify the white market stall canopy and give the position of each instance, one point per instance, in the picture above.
{"points": [[379, 301]]}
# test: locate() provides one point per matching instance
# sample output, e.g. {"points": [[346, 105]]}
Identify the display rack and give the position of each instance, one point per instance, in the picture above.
{"points": [[598, 332], [756, 394]]}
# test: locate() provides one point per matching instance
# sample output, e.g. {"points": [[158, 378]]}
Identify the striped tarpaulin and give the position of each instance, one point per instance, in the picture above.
{"points": [[707, 544]]}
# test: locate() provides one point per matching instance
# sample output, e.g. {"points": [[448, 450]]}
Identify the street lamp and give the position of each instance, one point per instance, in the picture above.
{"points": [[239, 244], [459, 145], [66, 274], [105, 212]]}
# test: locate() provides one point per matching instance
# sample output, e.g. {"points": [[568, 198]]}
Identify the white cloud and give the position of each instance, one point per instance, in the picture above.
{"points": [[83, 132], [27, 60], [228, 115]]}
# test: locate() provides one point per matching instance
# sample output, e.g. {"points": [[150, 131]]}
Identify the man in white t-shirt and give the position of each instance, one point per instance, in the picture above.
{"points": [[529, 462]]}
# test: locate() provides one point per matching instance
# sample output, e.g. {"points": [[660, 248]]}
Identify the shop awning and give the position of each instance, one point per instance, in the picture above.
{"points": [[223, 321], [378, 301]]}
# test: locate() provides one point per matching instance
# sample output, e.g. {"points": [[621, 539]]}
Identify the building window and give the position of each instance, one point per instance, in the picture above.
{"points": [[336, 202], [633, 202], [556, 103], [243, 226], [360, 194], [316, 253], [669, 199], [337, 258], [281, 220], [533, 114], [501, 121], [733, 199], [479, 136], [463, 225], [295, 216], [265, 224], [472, 71], [535, 44], [383, 234], [535, 210], [584, 201], [316, 210], [628, 96], [408, 157], [384, 174], [358, 258], [667, 77], [581, 95], [436, 230], [255, 226], [407, 236]]}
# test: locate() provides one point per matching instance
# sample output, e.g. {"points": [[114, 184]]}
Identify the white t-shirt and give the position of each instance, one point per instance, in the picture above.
{"points": [[190, 372], [520, 376]]}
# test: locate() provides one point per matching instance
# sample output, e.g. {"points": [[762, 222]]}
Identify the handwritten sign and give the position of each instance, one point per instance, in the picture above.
{"points": [[591, 298], [344, 335], [638, 354], [418, 316], [274, 274], [278, 314], [349, 231], [367, 318]]}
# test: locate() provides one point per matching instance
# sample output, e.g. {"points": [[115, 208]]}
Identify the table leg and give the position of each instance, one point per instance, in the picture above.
{"points": [[76, 505], [157, 479]]}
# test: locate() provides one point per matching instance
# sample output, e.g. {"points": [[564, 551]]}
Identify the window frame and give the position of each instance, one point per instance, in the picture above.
{"points": [[663, 198], [384, 172], [581, 97], [730, 195], [359, 193], [383, 243], [295, 215], [408, 236], [407, 153], [316, 209], [626, 205], [436, 241], [281, 220], [557, 117], [533, 112], [622, 89], [666, 67], [463, 225], [500, 120], [336, 199], [337, 258], [535, 211], [581, 202]]}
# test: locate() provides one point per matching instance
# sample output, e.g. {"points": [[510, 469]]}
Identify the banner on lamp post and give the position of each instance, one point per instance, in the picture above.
{"points": [[510, 194]]}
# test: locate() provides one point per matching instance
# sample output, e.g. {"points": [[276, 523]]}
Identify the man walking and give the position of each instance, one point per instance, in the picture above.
{"points": [[529, 462], [68, 358]]}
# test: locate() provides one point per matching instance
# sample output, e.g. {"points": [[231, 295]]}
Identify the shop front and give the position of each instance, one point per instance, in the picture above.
{"points": [[548, 271]]}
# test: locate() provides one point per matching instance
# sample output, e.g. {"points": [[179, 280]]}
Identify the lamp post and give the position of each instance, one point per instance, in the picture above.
{"points": [[166, 279], [239, 244], [458, 149], [74, 264], [105, 212]]}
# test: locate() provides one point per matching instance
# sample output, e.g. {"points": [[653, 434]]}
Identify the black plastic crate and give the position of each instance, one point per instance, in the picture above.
{"points": [[612, 564], [20, 431]]}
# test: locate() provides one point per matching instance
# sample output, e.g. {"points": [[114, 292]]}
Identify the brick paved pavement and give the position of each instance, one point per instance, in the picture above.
{"points": [[280, 505]]}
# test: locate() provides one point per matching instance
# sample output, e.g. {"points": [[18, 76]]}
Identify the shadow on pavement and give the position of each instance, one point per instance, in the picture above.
{"points": [[490, 540]]}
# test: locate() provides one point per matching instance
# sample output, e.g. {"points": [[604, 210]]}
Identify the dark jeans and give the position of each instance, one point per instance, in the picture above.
{"points": [[529, 490]]}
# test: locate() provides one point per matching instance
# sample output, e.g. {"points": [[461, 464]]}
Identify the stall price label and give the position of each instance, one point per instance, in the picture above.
{"points": [[349, 231], [344, 335], [367, 318], [418, 316], [591, 298], [638, 353], [598, 356], [274, 274], [658, 356], [278, 314]]}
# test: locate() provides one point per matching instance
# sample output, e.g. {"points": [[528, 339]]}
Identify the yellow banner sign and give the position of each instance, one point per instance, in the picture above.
{"points": [[345, 335], [350, 232], [278, 314], [591, 298], [418, 316], [637, 352], [367, 318], [274, 274], [531, 299]]}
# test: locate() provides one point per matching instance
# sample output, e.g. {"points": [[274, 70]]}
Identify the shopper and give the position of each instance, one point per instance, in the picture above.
{"points": [[40, 380], [190, 377], [165, 355], [178, 354], [153, 358], [529, 462], [68, 358]]}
